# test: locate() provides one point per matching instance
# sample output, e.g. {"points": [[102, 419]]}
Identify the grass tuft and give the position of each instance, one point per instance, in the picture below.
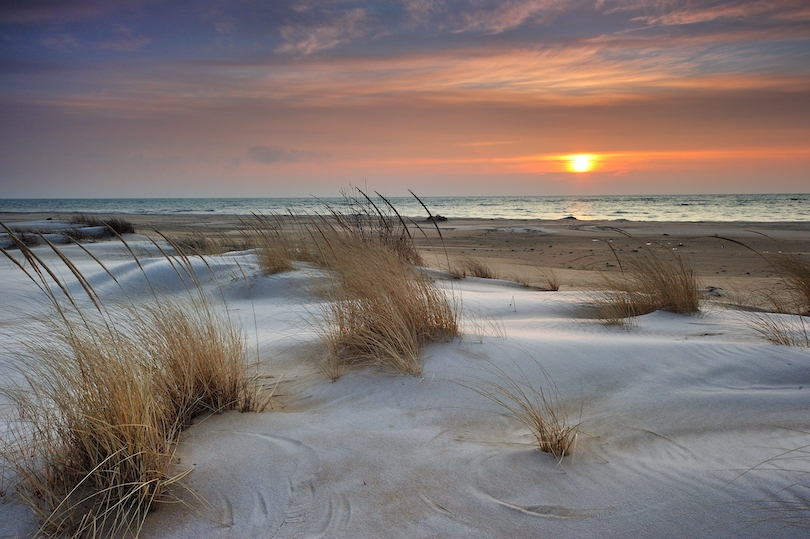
{"points": [[791, 298], [550, 279], [796, 274], [277, 243], [375, 222], [477, 268], [651, 280], [457, 273], [522, 277], [107, 391], [539, 407], [210, 244], [381, 311], [784, 329], [30, 239], [202, 355], [94, 446], [117, 225]]}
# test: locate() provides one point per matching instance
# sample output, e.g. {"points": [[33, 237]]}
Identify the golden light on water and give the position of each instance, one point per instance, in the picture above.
{"points": [[581, 162]]}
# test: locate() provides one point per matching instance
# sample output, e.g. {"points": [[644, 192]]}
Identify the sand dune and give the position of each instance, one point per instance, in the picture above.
{"points": [[689, 426]]}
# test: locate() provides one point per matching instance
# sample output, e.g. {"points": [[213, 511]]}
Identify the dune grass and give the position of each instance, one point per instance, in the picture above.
{"points": [[796, 275], [93, 449], [551, 282], [784, 329], [789, 324], [538, 406], [792, 328], [108, 389], [211, 243], [117, 225], [380, 310], [547, 278], [476, 267], [375, 222], [29, 238], [522, 277], [651, 280], [790, 301], [457, 272], [793, 294], [277, 243]]}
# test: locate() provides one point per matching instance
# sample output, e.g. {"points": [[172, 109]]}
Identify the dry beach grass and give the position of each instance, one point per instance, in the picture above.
{"points": [[107, 391], [538, 406], [475, 267], [380, 310], [650, 279]]}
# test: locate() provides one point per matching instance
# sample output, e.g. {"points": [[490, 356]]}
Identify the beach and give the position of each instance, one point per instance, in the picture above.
{"points": [[687, 425], [732, 256]]}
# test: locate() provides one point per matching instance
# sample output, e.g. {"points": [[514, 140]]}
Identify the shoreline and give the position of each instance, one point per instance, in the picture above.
{"points": [[171, 221], [580, 252], [767, 207]]}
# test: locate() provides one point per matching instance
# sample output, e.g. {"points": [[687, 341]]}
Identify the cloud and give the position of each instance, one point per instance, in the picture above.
{"points": [[125, 43], [438, 51], [495, 16], [270, 155], [483, 16], [682, 12], [35, 11], [422, 11], [334, 29], [122, 41], [310, 30], [63, 42]]}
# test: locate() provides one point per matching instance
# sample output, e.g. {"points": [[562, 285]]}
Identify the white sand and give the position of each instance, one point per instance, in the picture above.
{"points": [[691, 426]]}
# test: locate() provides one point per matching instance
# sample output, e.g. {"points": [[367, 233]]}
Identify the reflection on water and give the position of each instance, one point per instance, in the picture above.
{"points": [[774, 207]]}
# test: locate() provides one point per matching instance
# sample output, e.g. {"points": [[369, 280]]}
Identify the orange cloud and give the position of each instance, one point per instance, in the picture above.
{"points": [[616, 163], [622, 162]]}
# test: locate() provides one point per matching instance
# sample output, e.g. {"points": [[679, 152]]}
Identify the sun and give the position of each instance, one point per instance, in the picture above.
{"points": [[581, 162]]}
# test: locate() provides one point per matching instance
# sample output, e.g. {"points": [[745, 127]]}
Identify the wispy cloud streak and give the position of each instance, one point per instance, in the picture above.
{"points": [[327, 32], [680, 12]]}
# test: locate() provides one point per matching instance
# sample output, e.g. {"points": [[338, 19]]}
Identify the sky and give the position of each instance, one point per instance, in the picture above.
{"points": [[145, 98]]}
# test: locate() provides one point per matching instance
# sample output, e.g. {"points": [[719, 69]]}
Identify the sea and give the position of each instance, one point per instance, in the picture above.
{"points": [[747, 207]]}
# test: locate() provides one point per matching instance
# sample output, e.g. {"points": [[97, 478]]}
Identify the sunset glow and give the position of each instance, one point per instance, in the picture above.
{"points": [[458, 97], [581, 162]]}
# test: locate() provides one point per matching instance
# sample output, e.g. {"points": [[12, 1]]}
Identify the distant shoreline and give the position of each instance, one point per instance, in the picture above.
{"points": [[441, 220], [579, 251]]}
